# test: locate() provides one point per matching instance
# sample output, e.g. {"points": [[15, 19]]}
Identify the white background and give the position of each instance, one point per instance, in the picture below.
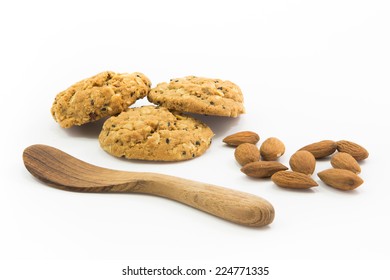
{"points": [[309, 70]]}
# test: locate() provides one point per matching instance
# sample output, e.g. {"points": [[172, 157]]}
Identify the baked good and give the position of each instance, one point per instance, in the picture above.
{"points": [[102, 95], [154, 133], [199, 95]]}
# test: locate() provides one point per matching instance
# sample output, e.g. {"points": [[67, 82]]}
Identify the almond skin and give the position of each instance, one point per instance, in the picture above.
{"points": [[345, 161], [341, 179], [246, 153], [321, 149], [272, 148], [293, 180], [241, 137], [303, 162], [355, 150], [262, 169]]}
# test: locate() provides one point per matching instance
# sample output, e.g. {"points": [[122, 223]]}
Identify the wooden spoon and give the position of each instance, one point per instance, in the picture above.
{"points": [[65, 172]]}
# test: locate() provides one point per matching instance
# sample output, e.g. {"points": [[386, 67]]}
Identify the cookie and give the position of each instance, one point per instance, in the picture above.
{"points": [[155, 133], [199, 95], [102, 95]]}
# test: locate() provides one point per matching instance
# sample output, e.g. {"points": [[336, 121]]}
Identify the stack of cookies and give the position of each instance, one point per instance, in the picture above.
{"points": [[159, 133]]}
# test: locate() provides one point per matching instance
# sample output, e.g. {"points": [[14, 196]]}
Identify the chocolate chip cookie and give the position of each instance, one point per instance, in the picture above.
{"points": [[105, 94], [155, 133], [199, 95]]}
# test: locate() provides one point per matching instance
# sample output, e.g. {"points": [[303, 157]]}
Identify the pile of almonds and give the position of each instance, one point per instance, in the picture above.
{"points": [[262, 163]]}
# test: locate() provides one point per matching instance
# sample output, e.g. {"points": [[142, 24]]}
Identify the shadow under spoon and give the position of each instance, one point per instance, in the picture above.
{"points": [[63, 171]]}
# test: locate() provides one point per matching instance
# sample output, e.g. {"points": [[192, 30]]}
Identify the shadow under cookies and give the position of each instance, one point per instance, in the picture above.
{"points": [[219, 125], [88, 130]]}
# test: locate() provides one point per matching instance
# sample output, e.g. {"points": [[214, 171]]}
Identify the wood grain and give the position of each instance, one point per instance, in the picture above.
{"points": [[60, 170]]}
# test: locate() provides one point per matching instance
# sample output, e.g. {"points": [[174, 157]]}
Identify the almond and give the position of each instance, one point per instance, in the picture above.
{"points": [[293, 180], [241, 137], [321, 149], [341, 179], [262, 169], [272, 148], [303, 162], [355, 150], [246, 153], [345, 161]]}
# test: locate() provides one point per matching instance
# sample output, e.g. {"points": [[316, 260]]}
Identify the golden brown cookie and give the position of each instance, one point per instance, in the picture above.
{"points": [[102, 95], [199, 95], [155, 133]]}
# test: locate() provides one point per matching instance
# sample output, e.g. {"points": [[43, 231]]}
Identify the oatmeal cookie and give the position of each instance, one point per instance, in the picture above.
{"points": [[154, 133], [199, 95], [102, 95]]}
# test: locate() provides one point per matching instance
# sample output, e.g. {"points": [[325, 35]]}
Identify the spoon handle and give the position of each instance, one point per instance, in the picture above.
{"points": [[235, 206]]}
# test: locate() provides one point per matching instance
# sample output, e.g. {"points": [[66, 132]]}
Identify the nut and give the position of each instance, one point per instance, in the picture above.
{"points": [[241, 137], [321, 149], [272, 148], [246, 153], [293, 180], [262, 169], [303, 162], [355, 150], [343, 160], [341, 179]]}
